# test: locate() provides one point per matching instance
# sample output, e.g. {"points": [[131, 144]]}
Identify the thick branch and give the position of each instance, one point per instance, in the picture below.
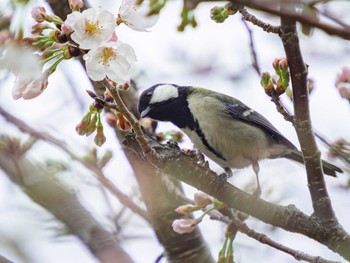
{"points": [[180, 166], [298, 72]]}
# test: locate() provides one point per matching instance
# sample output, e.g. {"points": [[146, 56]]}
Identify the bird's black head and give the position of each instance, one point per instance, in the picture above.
{"points": [[166, 102]]}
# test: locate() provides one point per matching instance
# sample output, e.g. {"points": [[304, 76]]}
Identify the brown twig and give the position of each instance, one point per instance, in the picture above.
{"points": [[255, 62], [282, 110], [148, 152], [123, 198], [242, 227], [270, 8], [255, 21]]}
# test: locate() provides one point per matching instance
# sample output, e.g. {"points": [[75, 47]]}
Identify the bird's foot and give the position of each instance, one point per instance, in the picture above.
{"points": [[221, 180]]}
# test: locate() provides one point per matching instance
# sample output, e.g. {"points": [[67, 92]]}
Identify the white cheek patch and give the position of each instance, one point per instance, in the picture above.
{"points": [[164, 93]]}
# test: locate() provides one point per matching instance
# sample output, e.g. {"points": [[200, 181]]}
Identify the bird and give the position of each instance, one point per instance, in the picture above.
{"points": [[223, 128]]}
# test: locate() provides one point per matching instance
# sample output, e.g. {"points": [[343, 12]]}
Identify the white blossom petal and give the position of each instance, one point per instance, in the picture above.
{"points": [[112, 59], [92, 27], [135, 16]]}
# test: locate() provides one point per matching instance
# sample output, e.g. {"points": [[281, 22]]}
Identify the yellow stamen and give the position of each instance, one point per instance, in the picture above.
{"points": [[108, 54], [92, 27]]}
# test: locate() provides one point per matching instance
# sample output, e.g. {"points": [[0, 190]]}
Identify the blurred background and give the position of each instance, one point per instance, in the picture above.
{"points": [[214, 56]]}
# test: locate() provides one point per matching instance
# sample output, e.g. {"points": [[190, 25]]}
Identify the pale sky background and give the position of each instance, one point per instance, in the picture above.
{"points": [[166, 56]]}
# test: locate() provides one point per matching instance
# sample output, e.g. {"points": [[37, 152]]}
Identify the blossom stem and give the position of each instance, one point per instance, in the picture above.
{"points": [[54, 65], [53, 57], [147, 150]]}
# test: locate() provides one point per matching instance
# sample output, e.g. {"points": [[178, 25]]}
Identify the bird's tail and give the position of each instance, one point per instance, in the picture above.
{"points": [[328, 168]]}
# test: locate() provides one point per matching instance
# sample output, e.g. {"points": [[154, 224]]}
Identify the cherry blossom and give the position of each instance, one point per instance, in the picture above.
{"points": [[91, 28], [112, 60], [135, 16]]}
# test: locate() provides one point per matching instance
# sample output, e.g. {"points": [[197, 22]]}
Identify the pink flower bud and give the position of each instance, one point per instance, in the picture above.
{"points": [[186, 225], [29, 88], [202, 199], [75, 5], [345, 92], [283, 64], [275, 63], [185, 209], [344, 76], [38, 28], [39, 13]]}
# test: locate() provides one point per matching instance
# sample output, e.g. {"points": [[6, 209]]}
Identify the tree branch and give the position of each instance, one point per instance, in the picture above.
{"points": [[123, 198], [312, 156], [271, 7], [180, 166], [238, 223]]}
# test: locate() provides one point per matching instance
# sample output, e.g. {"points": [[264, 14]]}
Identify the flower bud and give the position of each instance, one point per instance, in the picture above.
{"points": [[111, 119], [75, 5], [81, 127], [267, 84], [202, 199], [38, 28], [122, 123], [275, 63], [186, 209], [39, 14], [283, 63], [219, 14], [186, 225], [100, 138], [343, 77], [91, 126]]}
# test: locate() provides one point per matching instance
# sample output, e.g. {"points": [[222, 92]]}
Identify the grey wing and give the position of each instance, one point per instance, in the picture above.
{"points": [[242, 112]]}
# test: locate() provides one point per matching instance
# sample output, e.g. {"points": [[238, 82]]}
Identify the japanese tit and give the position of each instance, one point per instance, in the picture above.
{"points": [[223, 128]]}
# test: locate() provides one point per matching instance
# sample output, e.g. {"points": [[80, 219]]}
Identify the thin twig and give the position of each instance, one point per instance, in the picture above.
{"points": [[255, 62], [282, 110], [255, 21], [123, 198], [264, 239], [147, 150], [343, 32]]}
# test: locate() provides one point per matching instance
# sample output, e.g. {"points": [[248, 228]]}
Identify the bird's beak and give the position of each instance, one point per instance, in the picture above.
{"points": [[145, 112]]}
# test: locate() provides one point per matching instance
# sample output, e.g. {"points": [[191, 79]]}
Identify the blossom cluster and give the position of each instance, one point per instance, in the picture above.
{"points": [[90, 34], [187, 225]]}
